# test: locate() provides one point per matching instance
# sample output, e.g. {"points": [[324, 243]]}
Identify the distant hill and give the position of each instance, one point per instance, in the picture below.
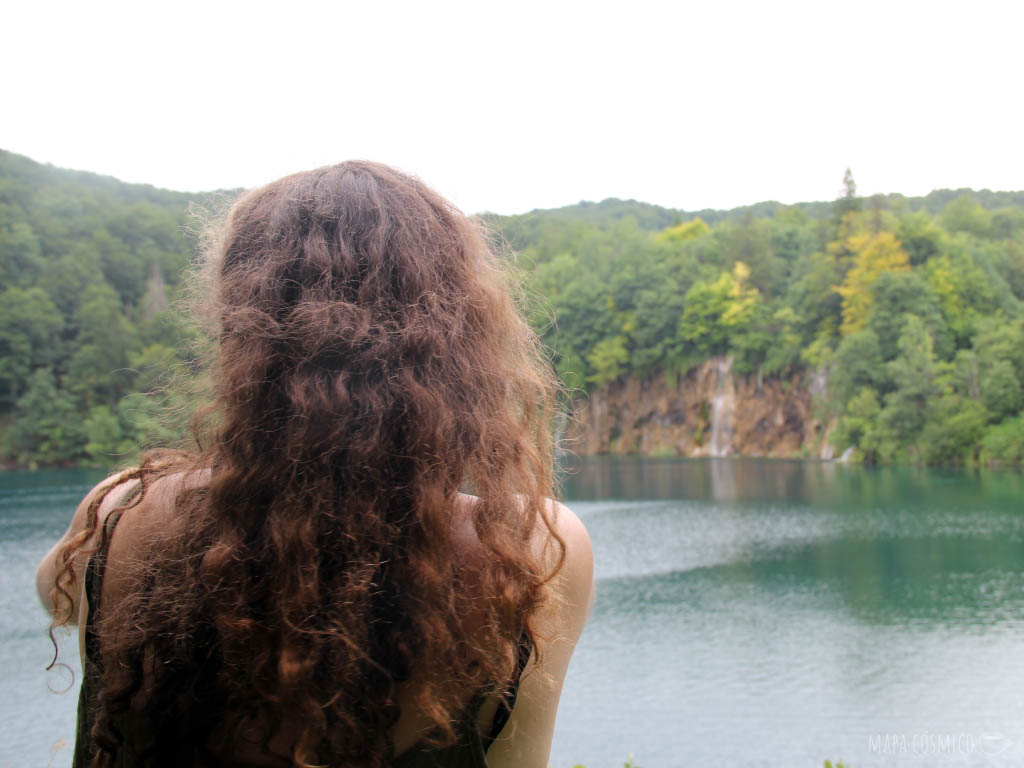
{"points": [[912, 309], [18, 171], [650, 217]]}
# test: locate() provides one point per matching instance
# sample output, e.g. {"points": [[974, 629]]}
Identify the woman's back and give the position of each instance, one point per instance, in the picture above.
{"points": [[310, 582], [485, 717]]}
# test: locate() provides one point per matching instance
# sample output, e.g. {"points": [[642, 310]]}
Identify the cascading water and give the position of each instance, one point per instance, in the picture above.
{"points": [[723, 407], [561, 420]]}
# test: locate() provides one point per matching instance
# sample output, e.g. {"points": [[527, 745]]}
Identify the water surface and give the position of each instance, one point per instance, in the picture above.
{"points": [[782, 613], [748, 613]]}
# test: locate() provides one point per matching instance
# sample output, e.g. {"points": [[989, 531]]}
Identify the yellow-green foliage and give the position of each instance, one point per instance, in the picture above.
{"points": [[873, 254], [914, 308], [688, 230]]}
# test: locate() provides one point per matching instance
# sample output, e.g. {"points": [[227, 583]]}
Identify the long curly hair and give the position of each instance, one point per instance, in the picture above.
{"points": [[371, 363]]}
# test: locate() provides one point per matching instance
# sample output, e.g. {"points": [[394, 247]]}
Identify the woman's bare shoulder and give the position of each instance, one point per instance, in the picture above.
{"points": [[112, 489], [576, 576], [154, 515], [573, 583], [525, 741]]}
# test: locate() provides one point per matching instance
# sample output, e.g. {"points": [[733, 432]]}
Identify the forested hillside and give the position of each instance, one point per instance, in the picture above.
{"points": [[911, 307], [88, 266]]}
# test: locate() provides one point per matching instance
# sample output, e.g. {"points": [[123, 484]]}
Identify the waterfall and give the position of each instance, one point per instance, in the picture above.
{"points": [[721, 424], [561, 421], [723, 406]]}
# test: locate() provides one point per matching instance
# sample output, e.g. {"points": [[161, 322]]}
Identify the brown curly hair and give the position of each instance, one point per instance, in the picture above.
{"points": [[371, 363]]}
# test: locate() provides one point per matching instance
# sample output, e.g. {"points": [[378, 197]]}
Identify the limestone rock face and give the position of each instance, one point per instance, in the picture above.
{"points": [[710, 412]]}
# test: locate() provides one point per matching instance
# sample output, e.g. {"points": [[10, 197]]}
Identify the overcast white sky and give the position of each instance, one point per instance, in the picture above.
{"points": [[517, 105]]}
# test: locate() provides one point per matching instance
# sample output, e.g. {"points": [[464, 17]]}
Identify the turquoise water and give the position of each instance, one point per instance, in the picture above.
{"points": [[36, 722], [780, 613], [748, 613]]}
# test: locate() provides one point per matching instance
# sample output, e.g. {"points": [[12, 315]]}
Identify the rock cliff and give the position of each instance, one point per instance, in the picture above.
{"points": [[709, 412]]}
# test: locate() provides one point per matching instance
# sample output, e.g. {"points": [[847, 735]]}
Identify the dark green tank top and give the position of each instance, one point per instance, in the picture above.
{"points": [[468, 752]]}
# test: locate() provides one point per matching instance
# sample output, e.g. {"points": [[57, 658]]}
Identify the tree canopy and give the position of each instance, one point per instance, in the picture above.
{"points": [[912, 306]]}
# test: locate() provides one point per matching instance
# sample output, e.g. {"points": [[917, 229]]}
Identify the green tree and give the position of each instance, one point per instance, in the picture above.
{"points": [[572, 370], [862, 428], [45, 429], [914, 375], [72, 273], [29, 332], [608, 360], [121, 268], [965, 215], [784, 343], [1001, 391], [857, 365], [1004, 443], [657, 312], [100, 369], [714, 311], [953, 434], [920, 236], [903, 293], [21, 259], [106, 440], [997, 340], [966, 374]]}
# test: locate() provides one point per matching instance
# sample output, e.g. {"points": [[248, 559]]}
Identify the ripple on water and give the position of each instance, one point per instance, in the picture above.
{"points": [[747, 613]]}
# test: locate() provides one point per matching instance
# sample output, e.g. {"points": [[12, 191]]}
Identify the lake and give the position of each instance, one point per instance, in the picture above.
{"points": [[748, 613]]}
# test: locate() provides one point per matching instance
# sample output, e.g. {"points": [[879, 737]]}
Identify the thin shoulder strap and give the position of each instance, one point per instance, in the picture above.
{"points": [[92, 671], [94, 571], [508, 702]]}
